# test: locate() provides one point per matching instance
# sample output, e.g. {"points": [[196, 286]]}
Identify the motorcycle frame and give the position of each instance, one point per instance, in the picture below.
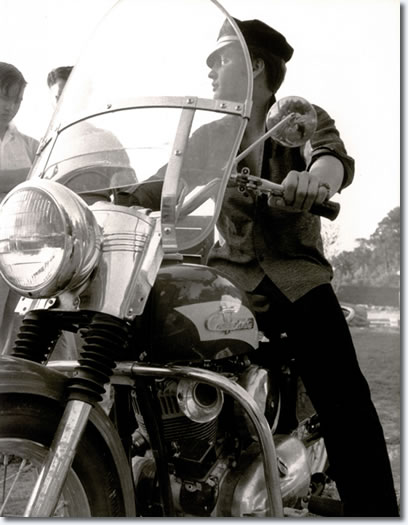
{"points": [[50, 482], [126, 372], [50, 380]]}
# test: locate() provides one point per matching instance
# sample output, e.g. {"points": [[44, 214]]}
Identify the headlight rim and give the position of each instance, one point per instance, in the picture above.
{"points": [[82, 240]]}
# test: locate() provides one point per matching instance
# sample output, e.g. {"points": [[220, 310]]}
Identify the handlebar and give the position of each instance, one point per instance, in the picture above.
{"points": [[245, 181], [327, 209]]}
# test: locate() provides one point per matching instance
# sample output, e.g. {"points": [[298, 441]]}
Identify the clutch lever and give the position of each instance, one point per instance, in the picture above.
{"points": [[245, 181]]}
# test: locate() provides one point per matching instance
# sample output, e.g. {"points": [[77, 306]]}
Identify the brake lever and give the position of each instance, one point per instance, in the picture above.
{"points": [[245, 181]]}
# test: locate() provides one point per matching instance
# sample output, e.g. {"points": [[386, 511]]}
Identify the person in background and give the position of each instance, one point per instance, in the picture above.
{"points": [[17, 153], [56, 80], [17, 150]]}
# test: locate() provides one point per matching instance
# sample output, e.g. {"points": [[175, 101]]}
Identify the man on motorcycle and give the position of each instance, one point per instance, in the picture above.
{"points": [[273, 247]]}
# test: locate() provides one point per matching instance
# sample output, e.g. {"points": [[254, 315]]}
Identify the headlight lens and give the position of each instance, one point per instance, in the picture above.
{"points": [[49, 239]]}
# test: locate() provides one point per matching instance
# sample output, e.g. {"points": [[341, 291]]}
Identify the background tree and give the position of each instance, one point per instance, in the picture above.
{"points": [[386, 247], [375, 261]]}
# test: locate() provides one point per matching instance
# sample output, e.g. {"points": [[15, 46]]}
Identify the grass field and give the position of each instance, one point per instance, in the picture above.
{"points": [[378, 351], [379, 355]]}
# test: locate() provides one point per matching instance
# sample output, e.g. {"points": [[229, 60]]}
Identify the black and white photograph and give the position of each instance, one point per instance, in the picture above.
{"points": [[200, 281]]}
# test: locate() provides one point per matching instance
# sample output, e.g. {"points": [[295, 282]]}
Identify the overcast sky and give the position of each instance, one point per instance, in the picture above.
{"points": [[346, 59]]}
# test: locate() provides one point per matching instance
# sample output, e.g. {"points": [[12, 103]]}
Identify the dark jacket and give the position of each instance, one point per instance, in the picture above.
{"points": [[259, 240]]}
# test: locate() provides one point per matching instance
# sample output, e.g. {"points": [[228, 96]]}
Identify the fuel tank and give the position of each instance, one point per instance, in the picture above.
{"points": [[194, 313]]}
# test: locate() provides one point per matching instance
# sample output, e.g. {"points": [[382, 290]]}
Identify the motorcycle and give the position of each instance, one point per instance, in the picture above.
{"points": [[169, 409]]}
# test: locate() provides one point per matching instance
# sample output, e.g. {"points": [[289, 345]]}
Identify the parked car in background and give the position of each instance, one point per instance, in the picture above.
{"points": [[355, 314]]}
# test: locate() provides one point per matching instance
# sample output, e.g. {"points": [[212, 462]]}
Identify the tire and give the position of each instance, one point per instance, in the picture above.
{"points": [[28, 424]]}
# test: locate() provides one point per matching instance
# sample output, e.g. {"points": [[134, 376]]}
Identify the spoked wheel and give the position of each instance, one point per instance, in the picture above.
{"points": [[20, 466], [27, 427]]}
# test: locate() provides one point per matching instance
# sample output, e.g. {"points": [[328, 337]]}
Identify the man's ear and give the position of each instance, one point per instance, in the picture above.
{"points": [[258, 65]]}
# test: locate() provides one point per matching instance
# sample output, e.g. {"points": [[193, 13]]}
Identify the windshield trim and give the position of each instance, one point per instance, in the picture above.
{"points": [[206, 104]]}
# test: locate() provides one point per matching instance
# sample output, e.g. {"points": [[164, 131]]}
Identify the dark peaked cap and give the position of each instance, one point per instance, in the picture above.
{"points": [[256, 34]]}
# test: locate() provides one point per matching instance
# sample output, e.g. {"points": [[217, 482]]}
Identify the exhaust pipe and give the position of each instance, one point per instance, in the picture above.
{"points": [[243, 492]]}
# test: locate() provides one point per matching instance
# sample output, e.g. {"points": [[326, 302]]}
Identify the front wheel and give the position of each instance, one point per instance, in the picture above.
{"points": [[28, 424]]}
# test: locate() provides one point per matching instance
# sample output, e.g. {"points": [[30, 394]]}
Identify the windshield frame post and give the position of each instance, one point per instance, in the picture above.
{"points": [[172, 176]]}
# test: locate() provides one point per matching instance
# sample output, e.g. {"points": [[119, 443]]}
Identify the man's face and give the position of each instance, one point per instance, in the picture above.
{"points": [[10, 101], [56, 90], [228, 73]]}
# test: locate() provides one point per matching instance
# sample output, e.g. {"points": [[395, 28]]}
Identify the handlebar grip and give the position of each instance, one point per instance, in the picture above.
{"points": [[328, 209]]}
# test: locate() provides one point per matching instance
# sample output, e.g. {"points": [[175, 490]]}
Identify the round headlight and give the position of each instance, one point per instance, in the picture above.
{"points": [[49, 239]]}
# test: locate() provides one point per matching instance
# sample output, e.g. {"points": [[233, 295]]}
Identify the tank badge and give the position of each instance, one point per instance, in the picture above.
{"points": [[226, 321], [215, 320]]}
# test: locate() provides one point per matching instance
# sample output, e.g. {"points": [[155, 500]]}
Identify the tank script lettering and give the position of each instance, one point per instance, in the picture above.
{"points": [[227, 322]]}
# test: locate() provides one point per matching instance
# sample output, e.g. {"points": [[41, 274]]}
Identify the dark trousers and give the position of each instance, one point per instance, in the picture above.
{"points": [[327, 363]]}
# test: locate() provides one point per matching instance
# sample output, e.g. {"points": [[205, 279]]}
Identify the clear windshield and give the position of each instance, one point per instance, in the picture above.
{"points": [[141, 106]]}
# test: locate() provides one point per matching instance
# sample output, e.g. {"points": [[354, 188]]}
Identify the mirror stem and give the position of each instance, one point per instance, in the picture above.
{"points": [[270, 132]]}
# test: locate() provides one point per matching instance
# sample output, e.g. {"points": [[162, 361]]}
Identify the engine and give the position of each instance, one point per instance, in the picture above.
{"points": [[214, 459]]}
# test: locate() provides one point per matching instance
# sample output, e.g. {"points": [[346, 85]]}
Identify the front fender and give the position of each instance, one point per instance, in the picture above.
{"points": [[20, 376]]}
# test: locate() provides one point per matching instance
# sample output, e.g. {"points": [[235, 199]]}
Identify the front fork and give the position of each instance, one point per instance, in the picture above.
{"points": [[51, 480], [104, 341]]}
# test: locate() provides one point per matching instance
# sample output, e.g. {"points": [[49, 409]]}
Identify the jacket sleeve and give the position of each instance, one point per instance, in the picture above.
{"points": [[326, 141]]}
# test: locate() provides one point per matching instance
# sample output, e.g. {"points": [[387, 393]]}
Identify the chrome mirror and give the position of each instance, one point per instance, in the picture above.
{"points": [[291, 121]]}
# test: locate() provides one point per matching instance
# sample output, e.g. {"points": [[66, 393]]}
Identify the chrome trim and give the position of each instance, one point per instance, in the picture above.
{"points": [[255, 381], [83, 238], [170, 185], [192, 405], [248, 61], [130, 259], [25, 305], [267, 446], [249, 497], [262, 139], [50, 482], [205, 104], [132, 369]]}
